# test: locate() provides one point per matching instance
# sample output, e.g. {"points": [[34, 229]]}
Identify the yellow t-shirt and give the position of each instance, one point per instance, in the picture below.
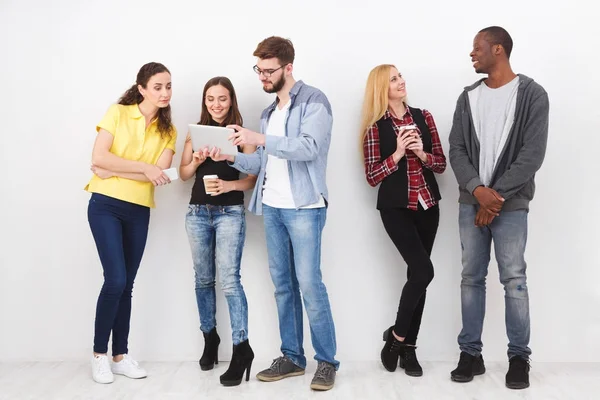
{"points": [[132, 141]]}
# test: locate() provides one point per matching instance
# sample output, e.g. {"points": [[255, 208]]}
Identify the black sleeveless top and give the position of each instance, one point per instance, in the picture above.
{"points": [[224, 172], [393, 191]]}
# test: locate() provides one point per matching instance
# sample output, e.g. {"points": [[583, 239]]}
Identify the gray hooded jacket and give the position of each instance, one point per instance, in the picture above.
{"points": [[521, 157]]}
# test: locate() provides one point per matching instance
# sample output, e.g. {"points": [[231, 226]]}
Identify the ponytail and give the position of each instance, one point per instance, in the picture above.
{"points": [[131, 96]]}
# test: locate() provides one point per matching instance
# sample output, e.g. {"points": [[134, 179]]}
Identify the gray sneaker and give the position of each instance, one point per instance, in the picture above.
{"points": [[324, 377], [282, 367]]}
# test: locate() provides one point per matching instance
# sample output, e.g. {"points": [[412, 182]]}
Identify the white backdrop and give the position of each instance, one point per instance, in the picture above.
{"points": [[64, 62]]}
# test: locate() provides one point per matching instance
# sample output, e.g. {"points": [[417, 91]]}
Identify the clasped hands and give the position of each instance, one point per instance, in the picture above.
{"points": [[490, 204]]}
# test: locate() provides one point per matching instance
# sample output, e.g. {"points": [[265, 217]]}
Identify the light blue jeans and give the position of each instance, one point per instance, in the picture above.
{"points": [[216, 235], [294, 248], [509, 234]]}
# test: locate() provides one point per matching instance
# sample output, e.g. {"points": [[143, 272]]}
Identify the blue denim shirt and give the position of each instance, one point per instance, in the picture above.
{"points": [[305, 146]]}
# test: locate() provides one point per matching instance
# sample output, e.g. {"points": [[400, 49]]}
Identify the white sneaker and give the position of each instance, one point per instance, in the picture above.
{"points": [[128, 367], [101, 372]]}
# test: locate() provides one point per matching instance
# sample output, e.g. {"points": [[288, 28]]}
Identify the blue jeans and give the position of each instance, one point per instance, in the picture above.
{"points": [[120, 230], [509, 233], [216, 235], [294, 248]]}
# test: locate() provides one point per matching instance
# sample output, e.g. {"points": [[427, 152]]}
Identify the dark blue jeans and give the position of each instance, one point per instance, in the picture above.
{"points": [[120, 230]]}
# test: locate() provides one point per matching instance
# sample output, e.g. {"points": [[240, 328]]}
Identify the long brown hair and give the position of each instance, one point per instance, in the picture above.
{"points": [[133, 96], [233, 116]]}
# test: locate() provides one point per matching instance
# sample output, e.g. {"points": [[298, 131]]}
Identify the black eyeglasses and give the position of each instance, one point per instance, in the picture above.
{"points": [[266, 72]]}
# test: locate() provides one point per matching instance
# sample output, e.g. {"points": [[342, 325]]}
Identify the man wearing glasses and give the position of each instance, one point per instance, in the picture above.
{"points": [[291, 193]]}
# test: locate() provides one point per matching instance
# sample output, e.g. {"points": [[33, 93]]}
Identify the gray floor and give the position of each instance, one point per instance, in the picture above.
{"points": [[368, 380]]}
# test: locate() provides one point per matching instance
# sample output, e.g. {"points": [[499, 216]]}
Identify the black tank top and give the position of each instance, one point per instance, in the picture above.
{"points": [[224, 172]]}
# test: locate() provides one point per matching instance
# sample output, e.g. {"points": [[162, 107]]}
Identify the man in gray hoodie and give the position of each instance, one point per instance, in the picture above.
{"points": [[497, 144]]}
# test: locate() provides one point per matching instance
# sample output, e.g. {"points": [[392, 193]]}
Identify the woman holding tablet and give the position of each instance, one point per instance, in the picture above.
{"points": [[402, 150], [216, 228], [126, 169]]}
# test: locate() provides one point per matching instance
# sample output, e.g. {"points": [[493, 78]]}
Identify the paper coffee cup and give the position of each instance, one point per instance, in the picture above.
{"points": [[207, 178]]}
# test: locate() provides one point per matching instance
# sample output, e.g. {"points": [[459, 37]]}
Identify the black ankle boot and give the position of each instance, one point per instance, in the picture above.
{"points": [[409, 362], [518, 373], [391, 350], [468, 367], [241, 360], [210, 355]]}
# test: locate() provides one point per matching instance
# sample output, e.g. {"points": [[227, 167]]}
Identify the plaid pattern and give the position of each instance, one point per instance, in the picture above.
{"points": [[377, 169]]}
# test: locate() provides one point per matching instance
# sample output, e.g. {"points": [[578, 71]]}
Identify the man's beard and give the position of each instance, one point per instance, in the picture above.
{"points": [[277, 86]]}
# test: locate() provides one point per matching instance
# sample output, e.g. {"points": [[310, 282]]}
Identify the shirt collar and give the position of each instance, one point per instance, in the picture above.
{"points": [[293, 92], [296, 88], [135, 111], [387, 114]]}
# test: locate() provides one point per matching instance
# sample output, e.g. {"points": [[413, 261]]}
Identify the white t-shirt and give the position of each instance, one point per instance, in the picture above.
{"points": [[277, 190], [493, 113]]}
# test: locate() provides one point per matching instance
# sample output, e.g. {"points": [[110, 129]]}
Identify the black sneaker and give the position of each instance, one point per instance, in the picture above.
{"points": [[468, 366], [517, 376], [324, 377], [281, 367], [409, 362]]}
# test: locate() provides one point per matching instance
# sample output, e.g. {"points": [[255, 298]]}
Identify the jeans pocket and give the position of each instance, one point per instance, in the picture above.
{"points": [[234, 210], [190, 210], [94, 198]]}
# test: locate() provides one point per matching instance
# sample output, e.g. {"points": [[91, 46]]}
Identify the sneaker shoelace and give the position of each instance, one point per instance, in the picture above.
{"points": [[103, 367], [323, 371], [464, 360], [130, 360], [520, 364], [276, 365]]}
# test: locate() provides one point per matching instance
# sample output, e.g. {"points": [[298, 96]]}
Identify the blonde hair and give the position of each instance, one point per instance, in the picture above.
{"points": [[376, 99]]}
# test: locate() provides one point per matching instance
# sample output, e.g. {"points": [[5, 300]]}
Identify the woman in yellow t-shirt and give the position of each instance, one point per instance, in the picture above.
{"points": [[135, 143]]}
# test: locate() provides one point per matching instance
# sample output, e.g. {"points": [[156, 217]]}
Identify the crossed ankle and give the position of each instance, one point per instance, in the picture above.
{"points": [[398, 338]]}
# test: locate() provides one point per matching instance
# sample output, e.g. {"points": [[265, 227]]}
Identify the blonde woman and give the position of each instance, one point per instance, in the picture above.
{"points": [[402, 151]]}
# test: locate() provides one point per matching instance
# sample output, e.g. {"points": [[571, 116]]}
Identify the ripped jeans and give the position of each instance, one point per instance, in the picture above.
{"points": [[509, 234], [217, 235]]}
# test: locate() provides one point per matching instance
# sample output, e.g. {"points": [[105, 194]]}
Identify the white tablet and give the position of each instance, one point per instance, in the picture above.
{"points": [[212, 136]]}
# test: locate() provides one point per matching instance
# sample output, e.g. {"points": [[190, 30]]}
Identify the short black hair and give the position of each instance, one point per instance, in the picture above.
{"points": [[498, 35]]}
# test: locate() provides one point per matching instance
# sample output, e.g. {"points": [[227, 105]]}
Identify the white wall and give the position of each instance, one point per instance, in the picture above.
{"points": [[64, 62]]}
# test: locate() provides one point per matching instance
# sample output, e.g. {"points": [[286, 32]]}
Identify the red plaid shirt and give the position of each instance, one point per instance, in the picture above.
{"points": [[377, 169]]}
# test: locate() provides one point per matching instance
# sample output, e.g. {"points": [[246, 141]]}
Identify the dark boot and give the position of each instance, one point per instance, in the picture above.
{"points": [[241, 360], [391, 350], [409, 362], [518, 373], [210, 355], [468, 367]]}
